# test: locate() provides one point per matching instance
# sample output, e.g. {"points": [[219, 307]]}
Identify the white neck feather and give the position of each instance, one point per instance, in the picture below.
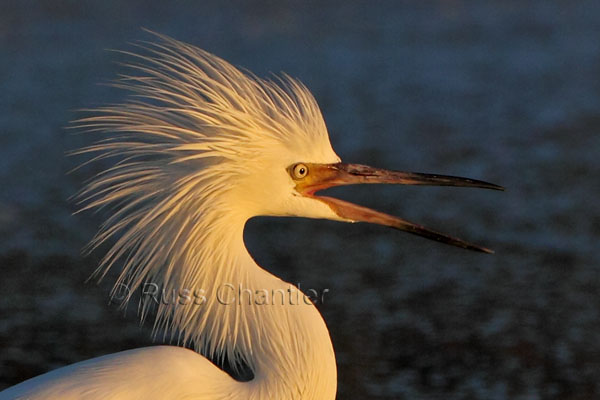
{"points": [[252, 316]]}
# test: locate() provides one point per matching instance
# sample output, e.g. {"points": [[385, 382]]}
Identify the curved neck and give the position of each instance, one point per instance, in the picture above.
{"points": [[292, 354], [248, 314]]}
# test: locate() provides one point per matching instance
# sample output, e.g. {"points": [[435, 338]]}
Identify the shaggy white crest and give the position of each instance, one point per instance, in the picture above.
{"points": [[194, 149]]}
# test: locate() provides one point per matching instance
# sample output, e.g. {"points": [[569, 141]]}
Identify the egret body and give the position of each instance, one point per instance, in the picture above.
{"points": [[199, 148]]}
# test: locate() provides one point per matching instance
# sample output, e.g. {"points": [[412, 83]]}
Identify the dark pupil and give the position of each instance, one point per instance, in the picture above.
{"points": [[301, 171]]}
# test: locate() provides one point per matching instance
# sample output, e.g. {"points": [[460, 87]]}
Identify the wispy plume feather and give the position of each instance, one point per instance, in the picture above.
{"points": [[183, 139]]}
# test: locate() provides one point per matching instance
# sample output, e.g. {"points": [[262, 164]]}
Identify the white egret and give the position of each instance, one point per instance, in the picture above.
{"points": [[201, 147]]}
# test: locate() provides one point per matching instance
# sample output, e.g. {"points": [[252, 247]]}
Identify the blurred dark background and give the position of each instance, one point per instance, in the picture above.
{"points": [[505, 91]]}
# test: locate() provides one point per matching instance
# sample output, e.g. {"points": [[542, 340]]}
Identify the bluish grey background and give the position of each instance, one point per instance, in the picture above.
{"points": [[501, 90]]}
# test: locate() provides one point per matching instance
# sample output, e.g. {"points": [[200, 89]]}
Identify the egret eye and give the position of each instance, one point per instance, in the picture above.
{"points": [[299, 171]]}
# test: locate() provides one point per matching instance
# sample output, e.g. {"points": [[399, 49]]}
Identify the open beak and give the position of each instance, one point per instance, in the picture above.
{"points": [[323, 176]]}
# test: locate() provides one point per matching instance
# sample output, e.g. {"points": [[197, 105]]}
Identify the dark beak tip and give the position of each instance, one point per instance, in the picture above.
{"points": [[348, 174]]}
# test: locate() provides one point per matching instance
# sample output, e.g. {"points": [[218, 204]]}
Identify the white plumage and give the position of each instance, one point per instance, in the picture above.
{"points": [[196, 146]]}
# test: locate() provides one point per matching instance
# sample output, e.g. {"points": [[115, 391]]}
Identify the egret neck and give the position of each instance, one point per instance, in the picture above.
{"points": [[251, 316]]}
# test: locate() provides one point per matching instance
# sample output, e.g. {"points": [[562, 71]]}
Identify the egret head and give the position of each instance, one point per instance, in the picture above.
{"points": [[200, 144]]}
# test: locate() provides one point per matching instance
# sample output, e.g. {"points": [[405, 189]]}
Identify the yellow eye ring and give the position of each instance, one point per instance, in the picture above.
{"points": [[299, 171]]}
